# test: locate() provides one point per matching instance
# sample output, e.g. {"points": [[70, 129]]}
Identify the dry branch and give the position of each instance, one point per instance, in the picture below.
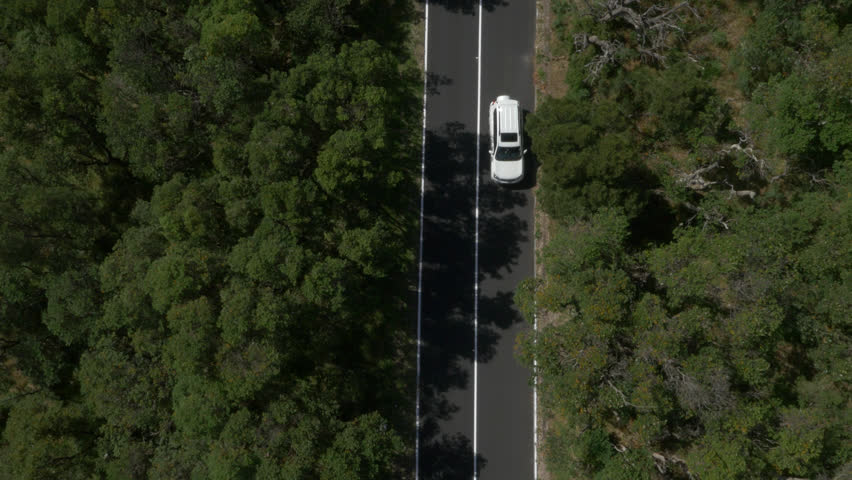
{"points": [[606, 56], [740, 193], [653, 27], [662, 461], [695, 180], [625, 402], [745, 146], [694, 395], [711, 217]]}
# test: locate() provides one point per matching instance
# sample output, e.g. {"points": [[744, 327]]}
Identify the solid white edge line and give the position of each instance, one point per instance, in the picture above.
{"points": [[535, 360], [535, 307], [476, 251], [535, 364], [420, 253]]}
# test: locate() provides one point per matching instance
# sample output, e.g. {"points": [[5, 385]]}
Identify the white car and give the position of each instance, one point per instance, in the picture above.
{"points": [[506, 147]]}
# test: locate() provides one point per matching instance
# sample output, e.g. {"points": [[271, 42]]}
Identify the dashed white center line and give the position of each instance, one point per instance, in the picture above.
{"points": [[476, 251]]}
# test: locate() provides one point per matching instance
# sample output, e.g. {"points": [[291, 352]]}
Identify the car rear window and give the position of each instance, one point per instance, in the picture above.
{"points": [[509, 137]]}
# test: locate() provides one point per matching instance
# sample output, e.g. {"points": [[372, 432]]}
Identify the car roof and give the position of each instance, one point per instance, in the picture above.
{"points": [[508, 115]]}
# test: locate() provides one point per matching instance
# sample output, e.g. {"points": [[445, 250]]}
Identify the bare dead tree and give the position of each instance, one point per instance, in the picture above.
{"points": [[740, 193], [688, 390], [653, 27], [659, 462], [711, 216], [816, 179], [625, 402], [757, 164], [662, 462], [695, 180], [746, 148], [606, 56], [714, 396]]}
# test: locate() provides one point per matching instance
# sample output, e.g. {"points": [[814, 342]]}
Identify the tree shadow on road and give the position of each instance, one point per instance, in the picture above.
{"points": [[447, 311], [447, 304], [496, 314], [502, 236], [451, 456], [467, 7], [436, 80]]}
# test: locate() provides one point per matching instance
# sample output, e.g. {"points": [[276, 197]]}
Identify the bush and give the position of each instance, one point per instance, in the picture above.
{"points": [[682, 100], [765, 50], [806, 115], [589, 156]]}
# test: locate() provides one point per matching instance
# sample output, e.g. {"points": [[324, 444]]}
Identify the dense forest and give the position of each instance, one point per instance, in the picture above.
{"points": [[206, 218], [695, 311]]}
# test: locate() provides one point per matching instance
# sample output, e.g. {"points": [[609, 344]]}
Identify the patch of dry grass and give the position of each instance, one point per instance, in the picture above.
{"points": [[730, 22], [416, 34], [551, 64]]}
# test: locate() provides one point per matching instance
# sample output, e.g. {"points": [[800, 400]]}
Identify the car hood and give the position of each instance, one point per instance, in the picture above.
{"points": [[507, 170]]}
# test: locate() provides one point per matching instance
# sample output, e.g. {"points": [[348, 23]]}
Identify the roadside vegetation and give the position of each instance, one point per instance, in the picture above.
{"points": [[696, 176], [206, 214]]}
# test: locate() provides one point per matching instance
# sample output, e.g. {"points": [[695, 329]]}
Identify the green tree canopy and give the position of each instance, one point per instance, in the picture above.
{"points": [[205, 225], [693, 318]]}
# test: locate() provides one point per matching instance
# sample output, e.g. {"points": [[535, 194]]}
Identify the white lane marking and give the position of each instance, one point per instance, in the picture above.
{"points": [[535, 360], [476, 251], [535, 367], [420, 267], [535, 310]]}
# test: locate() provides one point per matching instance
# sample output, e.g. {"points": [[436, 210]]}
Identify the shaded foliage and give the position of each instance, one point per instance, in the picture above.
{"points": [[205, 236], [589, 159]]}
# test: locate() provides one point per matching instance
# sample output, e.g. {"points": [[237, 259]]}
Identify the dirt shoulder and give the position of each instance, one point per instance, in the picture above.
{"points": [[549, 79]]}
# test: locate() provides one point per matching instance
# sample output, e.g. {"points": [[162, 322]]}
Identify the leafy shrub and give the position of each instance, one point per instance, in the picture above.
{"points": [[588, 155]]}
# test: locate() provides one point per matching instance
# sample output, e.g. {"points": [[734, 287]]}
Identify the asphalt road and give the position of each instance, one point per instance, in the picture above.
{"points": [[504, 406]]}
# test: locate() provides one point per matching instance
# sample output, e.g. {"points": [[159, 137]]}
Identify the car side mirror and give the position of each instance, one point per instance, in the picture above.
{"points": [[490, 152]]}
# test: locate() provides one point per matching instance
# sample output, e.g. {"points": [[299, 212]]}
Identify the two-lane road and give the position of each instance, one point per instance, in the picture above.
{"points": [[473, 393]]}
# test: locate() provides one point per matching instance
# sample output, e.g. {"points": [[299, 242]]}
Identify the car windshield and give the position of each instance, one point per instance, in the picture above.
{"points": [[508, 153]]}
